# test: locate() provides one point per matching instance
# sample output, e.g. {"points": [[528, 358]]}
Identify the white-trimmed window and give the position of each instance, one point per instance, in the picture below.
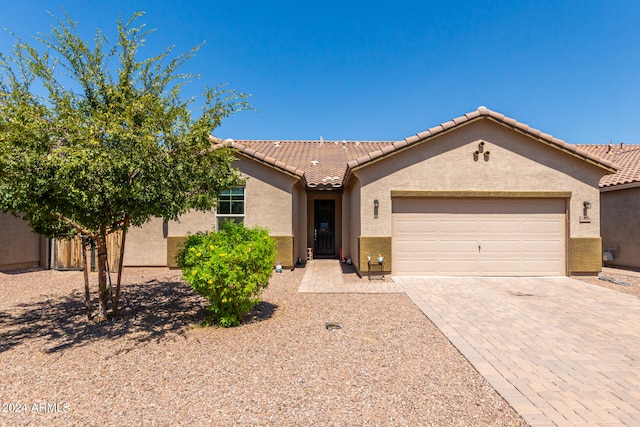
{"points": [[230, 206]]}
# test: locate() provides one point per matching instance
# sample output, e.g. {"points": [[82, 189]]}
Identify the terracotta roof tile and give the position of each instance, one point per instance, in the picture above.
{"points": [[460, 119], [290, 168], [626, 156], [432, 131], [509, 121], [337, 158], [472, 115], [497, 115], [400, 144], [535, 132], [415, 138], [449, 124], [388, 149], [376, 154]]}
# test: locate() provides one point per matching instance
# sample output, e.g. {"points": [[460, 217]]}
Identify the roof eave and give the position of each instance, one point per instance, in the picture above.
{"points": [[261, 158], [297, 174], [480, 114], [622, 186], [561, 145]]}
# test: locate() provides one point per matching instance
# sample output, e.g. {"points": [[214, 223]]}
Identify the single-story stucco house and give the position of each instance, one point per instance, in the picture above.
{"points": [[620, 204], [480, 195]]}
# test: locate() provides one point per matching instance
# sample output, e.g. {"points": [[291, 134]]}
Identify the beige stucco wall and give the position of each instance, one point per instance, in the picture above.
{"points": [[146, 245], [620, 224], [19, 246], [516, 163], [269, 202], [269, 197], [351, 216], [300, 221], [192, 222]]}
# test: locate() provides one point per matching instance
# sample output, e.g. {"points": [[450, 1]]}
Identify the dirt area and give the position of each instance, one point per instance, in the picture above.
{"points": [[386, 365]]}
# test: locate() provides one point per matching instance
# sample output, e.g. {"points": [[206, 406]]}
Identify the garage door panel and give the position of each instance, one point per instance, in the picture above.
{"points": [[456, 267], [490, 227], [542, 226], [417, 225], [498, 237], [542, 246], [455, 246], [500, 247], [415, 268], [499, 267], [417, 256], [477, 206], [460, 226], [417, 246]]}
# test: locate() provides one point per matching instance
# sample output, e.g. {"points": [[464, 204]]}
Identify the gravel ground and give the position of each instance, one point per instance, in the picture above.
{"points": [[629, 281], [387, 365]]}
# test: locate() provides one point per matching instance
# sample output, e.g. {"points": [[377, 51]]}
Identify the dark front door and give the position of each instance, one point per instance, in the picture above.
{"points": [[324, 235]]}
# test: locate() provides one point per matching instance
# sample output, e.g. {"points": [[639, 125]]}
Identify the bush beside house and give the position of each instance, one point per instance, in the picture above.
{"points": [[230, 268]]}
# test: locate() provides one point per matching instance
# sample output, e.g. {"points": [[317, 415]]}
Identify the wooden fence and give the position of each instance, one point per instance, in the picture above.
{"points": [[66, 254]]}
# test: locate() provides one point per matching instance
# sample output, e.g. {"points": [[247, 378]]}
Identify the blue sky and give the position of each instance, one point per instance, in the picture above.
{"points": [[386, 70]]}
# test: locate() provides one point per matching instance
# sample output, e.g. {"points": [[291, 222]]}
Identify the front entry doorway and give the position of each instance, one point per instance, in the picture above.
{"points": [[324, 233]]}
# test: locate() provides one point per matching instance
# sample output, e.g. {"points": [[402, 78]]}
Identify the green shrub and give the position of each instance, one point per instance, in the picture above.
{"points": [[230, 268]]}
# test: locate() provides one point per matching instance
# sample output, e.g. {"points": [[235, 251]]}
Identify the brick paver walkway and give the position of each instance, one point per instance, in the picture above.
{"points": [[560, 351], [325, 276]]}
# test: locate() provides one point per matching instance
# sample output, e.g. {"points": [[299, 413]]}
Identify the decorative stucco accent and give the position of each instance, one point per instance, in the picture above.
{"points": [[586, 255], [174, 244], [374, 245], [284, 248]]}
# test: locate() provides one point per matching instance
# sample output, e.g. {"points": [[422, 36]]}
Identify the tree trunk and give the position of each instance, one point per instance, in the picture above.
{"points": [[120, 263], [103, 289], [85, 269]]}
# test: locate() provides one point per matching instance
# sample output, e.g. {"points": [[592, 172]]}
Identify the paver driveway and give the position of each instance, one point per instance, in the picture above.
{"points": [[560, 351]]}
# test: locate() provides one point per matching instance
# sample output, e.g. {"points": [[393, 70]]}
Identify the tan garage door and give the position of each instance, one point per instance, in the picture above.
{"points": [[478, 237]]}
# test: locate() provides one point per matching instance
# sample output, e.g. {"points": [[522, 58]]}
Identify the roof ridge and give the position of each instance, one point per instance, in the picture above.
{"points": [[483, 111]]}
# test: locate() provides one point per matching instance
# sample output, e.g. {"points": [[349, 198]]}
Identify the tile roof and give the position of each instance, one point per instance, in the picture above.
{"points": [[319, 163], [625, 156], [327, 164]]}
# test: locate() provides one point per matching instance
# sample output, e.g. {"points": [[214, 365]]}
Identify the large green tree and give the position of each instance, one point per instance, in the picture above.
{"points": [[94, 140]]}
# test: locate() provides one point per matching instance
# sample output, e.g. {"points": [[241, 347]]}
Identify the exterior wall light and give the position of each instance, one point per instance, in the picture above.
{"points": [[375, 203], [585, 218]]}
